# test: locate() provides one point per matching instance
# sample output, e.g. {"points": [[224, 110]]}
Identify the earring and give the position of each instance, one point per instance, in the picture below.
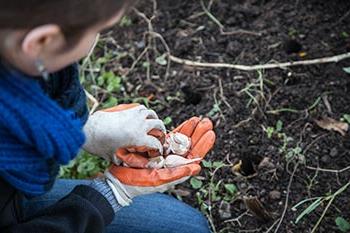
{"points": [[42, 69]]}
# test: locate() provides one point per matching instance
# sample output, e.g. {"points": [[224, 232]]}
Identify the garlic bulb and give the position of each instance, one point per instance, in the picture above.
{"points": [[178, 143], [176, 147]]}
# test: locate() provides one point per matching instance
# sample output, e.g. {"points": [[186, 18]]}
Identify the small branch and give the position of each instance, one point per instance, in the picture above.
{"points": [[222, 27], [332, 59], [287, 198], [342, 189], [328, 170], [237, 219], [93, 100]]}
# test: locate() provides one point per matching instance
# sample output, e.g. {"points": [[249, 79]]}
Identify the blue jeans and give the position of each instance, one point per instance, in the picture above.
{"points": [[150, 213]]}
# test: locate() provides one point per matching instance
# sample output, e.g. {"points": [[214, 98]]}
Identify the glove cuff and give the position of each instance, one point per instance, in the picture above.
{"points": [[119, 191], [102, 187]]}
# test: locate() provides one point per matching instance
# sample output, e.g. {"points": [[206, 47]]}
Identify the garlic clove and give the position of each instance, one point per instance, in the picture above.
{"points": [[156, 162], [177, 160]]}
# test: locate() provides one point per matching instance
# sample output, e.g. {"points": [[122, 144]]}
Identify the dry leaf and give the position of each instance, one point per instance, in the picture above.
{"points": [[255, 206], [331, 124], [237, 168], [181, 192]]}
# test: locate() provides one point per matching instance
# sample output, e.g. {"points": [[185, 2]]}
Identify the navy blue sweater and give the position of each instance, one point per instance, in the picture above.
{"points": [[84, 209]]}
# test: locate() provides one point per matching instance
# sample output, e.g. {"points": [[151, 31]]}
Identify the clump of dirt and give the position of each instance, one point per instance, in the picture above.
{"points": [[246, 106]]}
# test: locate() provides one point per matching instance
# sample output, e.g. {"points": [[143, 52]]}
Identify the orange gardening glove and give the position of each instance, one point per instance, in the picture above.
{"points": [[137, 179]]}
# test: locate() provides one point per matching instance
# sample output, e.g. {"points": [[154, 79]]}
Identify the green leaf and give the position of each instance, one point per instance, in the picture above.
{"points": [[279, 126], [146, 64], [125, 22], [162, 60], [343, 225], [100, 81], [86, 167], [195, 183], [113, 83], [111, 102], [207, 164], [167, 121], [270, 131], [231, 188], [347, 118], [347, 70], [218, 164], [345, 34], [309, 209]]}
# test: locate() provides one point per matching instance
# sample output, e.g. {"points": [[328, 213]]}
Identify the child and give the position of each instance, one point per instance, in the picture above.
{"points": [[44, 122]]}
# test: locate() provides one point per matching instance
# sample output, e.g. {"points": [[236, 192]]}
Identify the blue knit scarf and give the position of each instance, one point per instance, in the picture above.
{"points": [[37, 134]]}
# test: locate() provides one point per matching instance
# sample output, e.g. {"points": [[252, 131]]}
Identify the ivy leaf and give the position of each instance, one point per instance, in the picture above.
{"points": [[343, 225], [195, 183]]}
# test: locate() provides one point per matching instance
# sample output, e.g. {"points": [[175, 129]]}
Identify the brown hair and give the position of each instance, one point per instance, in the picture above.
{"points": [[73, 16]]}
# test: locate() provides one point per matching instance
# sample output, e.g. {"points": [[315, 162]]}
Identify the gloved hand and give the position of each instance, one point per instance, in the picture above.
{"points": [[123, 126], [137, 179]]}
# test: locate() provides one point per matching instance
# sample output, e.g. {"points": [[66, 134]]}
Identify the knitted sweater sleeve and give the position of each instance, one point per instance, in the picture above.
{"points": [[84, 210]]}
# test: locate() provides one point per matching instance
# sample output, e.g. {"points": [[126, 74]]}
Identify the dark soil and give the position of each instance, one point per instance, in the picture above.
{"points": [[317, 27]]}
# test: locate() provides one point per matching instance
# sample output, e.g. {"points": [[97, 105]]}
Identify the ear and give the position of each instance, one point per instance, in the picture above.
{"points": [[37, 39]]}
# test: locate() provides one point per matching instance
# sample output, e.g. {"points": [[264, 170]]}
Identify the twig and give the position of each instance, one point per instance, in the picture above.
{"points": [[237, 218], [323, 60], [87, 58], [272, 226], [342, 189], [287, 198], [328, 170], [151, 34], [341, 18], [221, 26], [239, 124], [93, 100], [161, 38], [223, 97]]}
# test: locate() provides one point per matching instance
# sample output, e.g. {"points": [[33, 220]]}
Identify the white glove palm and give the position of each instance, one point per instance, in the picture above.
{"points": [[106, 131]]}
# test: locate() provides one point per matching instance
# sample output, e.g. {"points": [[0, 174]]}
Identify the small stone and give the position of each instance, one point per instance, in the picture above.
{"points": [[266, 164], [334, 152], [325, 159], [275, 195]]}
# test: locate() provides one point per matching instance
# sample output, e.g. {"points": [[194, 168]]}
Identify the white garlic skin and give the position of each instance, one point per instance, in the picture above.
{"points": [[175, 148], [157, 162], [178, 144], [176, 161]]}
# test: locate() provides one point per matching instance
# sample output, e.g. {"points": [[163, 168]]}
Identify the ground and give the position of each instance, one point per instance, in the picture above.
{"points": [[264, 118]]}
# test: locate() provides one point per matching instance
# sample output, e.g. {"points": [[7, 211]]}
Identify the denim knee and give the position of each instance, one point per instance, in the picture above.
{"points": [[201, 223]]}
